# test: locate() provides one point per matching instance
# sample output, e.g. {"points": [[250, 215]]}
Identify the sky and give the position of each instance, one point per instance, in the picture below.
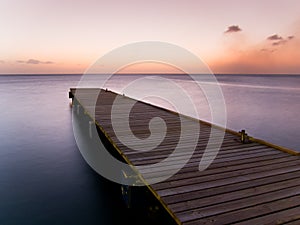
{"points": [[67, 36]]}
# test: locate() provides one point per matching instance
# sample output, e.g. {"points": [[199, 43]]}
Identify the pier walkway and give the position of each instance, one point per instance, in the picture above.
{"points": [[247, 183]]}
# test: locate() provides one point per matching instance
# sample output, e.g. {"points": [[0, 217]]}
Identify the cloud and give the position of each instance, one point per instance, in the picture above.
{"points": [[278, 40], [233, 29], [34, 61], [2, 61], [279, 43], [274, 37], [267, 50]]}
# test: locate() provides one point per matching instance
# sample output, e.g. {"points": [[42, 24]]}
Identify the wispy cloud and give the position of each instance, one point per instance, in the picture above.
{"points": [[274, 37], [34, 61], [233, 29], [278, 40], [2, 61], [279, 43], [267, 50]]}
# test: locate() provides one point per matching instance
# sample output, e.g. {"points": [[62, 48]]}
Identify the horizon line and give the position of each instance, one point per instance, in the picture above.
{"points": [[156, 73]]}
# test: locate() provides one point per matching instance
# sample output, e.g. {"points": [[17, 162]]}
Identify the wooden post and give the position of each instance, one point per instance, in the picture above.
{"points": [[90, 128]]}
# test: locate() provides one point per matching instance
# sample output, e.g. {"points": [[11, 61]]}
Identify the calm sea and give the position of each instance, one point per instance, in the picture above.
{"points": [[43, 178]]}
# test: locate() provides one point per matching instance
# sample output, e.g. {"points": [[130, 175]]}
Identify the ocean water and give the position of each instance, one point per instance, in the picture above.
{"points": [[43, 178], [266, 106]]}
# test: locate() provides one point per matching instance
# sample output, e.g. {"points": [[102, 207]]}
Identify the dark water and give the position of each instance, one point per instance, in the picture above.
{"points": [[266, 106], [43, 178]]}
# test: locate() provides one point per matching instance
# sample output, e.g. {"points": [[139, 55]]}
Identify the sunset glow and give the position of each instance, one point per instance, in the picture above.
{"points": [[230, 36]]}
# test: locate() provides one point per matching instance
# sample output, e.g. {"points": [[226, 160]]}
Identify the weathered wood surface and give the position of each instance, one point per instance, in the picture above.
{"points": [[246, 183]]}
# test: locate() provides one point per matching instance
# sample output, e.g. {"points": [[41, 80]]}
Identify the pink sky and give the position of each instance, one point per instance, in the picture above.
{"points": [[67, 36]]}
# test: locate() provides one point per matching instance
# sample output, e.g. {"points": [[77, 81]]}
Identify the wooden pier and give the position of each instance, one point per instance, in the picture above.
{"points": [[247, 183]]}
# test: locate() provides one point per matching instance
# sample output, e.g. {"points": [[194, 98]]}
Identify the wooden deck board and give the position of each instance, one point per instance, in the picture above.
{"points": [[220, 170], [137, 159], [208, 192], [233, 195], [246, 183], [252, 206], [215, 183], [255, 212]]}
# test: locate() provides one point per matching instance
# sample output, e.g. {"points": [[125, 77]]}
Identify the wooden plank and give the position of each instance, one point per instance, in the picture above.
{"points": [[275, 212], [284, 217], [170, 165], [202, 178], [199, 202], [221, 157], [189, 172], [222, 175], [208, 192], [153, 158], [167, 191], [164, 150], [242, 209], [219, 170], [191, 169]]}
